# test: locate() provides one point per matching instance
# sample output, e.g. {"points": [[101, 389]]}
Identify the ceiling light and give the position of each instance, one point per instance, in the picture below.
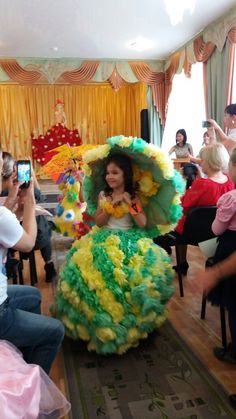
{"points": [[176, 9], [140, 44]]}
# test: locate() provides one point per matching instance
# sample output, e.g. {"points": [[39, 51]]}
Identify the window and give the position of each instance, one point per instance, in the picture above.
{"points": [[234, 80], [186, 109]]}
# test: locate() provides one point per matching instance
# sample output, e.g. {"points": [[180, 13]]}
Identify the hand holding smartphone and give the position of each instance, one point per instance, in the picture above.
{"points": [[206, 124], [23, 170]]}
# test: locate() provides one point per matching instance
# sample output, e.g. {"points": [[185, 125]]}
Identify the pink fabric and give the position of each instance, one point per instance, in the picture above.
{"points": [[26, 392], [226, 214], [202, 192]]}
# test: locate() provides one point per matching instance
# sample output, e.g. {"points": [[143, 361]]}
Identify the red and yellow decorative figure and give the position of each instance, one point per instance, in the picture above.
{"points": [[56, 136], [71, 218]]}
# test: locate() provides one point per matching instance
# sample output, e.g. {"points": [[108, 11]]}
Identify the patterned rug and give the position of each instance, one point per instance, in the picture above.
{"points": [[160, 379]]}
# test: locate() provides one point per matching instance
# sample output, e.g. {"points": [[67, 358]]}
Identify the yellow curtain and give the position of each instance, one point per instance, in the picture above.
{"points": [[96, 110]]}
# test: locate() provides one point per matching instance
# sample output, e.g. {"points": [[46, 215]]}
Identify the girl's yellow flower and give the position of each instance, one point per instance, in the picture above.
{"points": [[98, 153], [83, 332], [125, 141], [105, 334], [116, 211]]}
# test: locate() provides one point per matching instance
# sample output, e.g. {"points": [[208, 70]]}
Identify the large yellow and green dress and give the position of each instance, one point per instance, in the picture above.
{"points": [[115, 284]]}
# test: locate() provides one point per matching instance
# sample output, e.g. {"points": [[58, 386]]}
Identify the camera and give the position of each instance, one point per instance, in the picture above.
{"points": [[206, 124], [23, 170]]}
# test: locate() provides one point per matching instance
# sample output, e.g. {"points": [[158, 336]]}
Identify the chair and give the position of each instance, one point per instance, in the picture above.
{"points": [[197, 228], [14, 267]]}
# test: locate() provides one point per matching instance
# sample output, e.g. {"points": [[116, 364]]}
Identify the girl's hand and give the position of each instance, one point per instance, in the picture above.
{"points": [[117, 200], [127, 198]]}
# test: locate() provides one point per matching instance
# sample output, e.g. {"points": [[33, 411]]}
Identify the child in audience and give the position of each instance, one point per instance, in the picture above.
{"points": [[224, 294]]}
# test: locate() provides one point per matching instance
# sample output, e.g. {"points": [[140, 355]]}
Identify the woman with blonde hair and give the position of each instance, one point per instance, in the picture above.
{"points": [[203, 192]]}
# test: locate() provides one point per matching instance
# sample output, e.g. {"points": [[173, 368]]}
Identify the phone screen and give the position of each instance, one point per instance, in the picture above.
{"points": [[23, 172], [206, 124]]}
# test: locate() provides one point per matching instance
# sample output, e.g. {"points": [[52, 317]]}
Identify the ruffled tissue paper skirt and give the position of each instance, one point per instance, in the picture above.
{"points": [[113, 289]]}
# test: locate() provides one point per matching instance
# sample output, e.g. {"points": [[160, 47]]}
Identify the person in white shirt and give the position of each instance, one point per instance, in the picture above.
{"points": [[229, 139], [21, 323]]}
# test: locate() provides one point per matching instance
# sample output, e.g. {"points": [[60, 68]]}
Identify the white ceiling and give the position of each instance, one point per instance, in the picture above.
{"points": [[101, 28]]}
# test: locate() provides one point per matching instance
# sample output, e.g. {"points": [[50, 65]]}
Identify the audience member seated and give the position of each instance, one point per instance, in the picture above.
{"points": [[21, 323], [190, 173], [181, 149], [224, 295], [218, 275], [43, 239], [204, 191], [208, 139]]}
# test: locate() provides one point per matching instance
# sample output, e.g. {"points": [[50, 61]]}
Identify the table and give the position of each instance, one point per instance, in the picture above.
{"points": [[179, 163]]}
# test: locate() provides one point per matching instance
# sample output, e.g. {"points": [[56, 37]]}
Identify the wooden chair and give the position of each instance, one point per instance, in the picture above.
{"points": [[197, 228]]}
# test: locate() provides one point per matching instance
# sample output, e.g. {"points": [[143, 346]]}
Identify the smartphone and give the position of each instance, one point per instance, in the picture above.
{"points": [[23, 170], [206, 124]]}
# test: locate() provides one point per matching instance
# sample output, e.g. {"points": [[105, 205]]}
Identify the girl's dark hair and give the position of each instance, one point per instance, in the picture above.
{"points": [[124, 163], [183, 132], [190, 172], [231, 109]]}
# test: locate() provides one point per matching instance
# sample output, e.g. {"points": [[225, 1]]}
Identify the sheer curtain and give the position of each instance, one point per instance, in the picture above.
{"points": [[234, 80], [186, 109]]}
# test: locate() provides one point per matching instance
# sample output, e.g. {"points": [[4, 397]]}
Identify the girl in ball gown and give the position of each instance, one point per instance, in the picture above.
{"points": [[116, 282]]}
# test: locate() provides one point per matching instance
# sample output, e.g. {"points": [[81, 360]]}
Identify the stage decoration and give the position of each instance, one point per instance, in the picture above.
{"points": [[59, 159], [115, 284], [56, 136]]}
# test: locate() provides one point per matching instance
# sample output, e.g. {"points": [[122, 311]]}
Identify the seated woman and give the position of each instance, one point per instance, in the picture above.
{"points": [[43, 240], [208, 139], [181, 149], [204, 191]]}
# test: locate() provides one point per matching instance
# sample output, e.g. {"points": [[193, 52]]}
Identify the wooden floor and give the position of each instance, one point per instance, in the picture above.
{"points": [[184, 313]]}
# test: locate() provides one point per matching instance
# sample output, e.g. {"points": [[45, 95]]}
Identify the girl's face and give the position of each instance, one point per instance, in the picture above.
{"points": [[206, 139], [179, 139], [232, 171], [114, 176], [229, 121]]}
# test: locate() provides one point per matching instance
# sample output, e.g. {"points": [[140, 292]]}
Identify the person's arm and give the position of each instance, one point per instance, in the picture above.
{"points": [[101, 217], [196, 160], [35, 180], [190, 149], [228, 142], [171, 150], [209, 278], [226, 210], [135, 209], [27, 241]]}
